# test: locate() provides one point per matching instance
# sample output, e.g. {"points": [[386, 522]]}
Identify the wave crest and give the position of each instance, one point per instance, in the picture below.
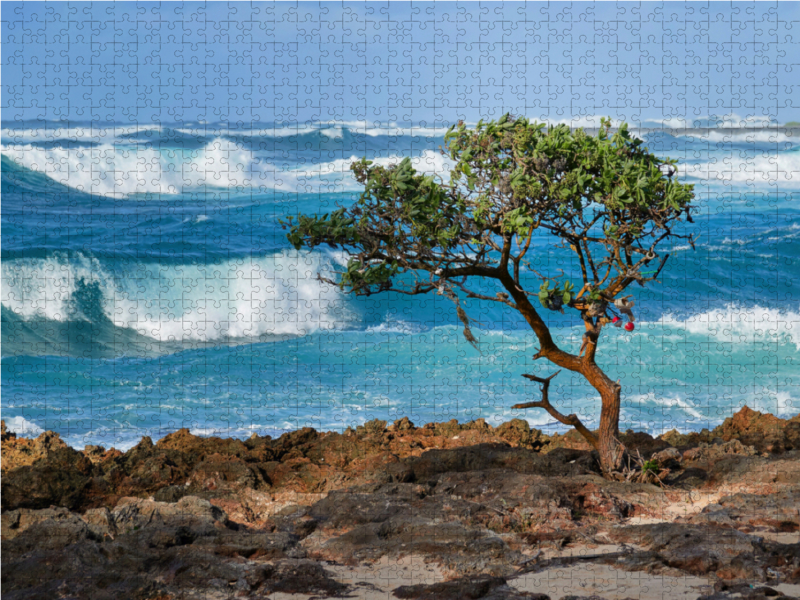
{"points": [[244, 298]]}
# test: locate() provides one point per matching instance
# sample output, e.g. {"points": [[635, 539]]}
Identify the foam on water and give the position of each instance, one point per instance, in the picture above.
{"points": [[737, 324], [120, 172], [271, 295], [22, 427], [196, 269], [780, 169]]}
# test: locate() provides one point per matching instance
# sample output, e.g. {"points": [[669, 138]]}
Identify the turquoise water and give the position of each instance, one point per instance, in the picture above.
{"points": [[147, 286]]}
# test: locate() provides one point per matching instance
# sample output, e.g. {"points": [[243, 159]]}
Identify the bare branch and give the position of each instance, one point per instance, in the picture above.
{"points": [[544, 403]]}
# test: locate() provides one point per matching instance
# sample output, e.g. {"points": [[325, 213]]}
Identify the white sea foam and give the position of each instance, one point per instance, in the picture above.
{"points": [[21, 426], [272, 295], [739, 324], [743, 136], [96, 134], [331, 129], [392, 325], [44, 288], [117, 172], [337, 175], [781, 169], [586, 121], [668, 402]]}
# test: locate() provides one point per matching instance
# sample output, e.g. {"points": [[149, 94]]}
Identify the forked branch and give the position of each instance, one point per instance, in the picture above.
{"points": [[544, 403]]}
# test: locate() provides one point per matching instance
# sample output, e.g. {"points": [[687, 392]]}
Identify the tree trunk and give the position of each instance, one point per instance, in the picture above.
{"points": [[606, 442], [608, 445], [610, 448]]}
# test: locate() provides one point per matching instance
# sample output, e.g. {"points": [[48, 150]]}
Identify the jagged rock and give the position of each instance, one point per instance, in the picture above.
{"points": [[374, 427], [686, 440], [517, 432], [726, 591], [778, 512], [477, 425], [59, 476], [643, 443], [492, 456], [706, 453], [20, 452], [403, 424], [48, 534], [185, 546], [667, 458], [473, 499], [766, 432], [725, 552], [309, 462], [16, 521], [593, 597], [458, 548], [688, 478], [221, 470], [478, 587], [571, 440]]}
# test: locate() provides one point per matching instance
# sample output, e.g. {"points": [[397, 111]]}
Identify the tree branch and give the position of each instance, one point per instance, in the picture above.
{"points": [[544, 403], [549, 348]]}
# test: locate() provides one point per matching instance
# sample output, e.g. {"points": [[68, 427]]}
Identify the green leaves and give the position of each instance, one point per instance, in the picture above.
{"points": [[604, 196], [557, 297], [332, 228], [361, 276], [518, 221], [524, 162], [568, 289]]}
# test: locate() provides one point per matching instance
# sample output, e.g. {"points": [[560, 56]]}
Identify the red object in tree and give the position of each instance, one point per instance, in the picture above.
{"points": [[629, 326]]}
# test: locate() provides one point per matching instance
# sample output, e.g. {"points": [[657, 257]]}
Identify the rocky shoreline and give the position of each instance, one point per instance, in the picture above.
{"points": [[447, 510]]}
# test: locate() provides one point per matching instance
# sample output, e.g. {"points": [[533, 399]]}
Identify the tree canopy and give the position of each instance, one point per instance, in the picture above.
{"points": [[604, 198]]}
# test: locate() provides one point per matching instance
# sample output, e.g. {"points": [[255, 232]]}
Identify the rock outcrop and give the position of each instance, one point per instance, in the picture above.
{"points": [[192, 517]]}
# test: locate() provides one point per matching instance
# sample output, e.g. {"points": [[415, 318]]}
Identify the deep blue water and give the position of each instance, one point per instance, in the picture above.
{"points": [[147, 286]]}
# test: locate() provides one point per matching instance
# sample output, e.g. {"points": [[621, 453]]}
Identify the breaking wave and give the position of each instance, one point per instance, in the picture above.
{"points": [[275, 295]]}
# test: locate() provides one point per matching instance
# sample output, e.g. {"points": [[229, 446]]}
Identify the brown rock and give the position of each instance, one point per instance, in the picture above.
{"points": [[374, 427], [686, 440], [144, 550], [517, 432], [20, 452], [58, 476], [644, 443], [221, 470], [403, 424], [201, 447], [571, 440], [667, 458], [15, 522], [483, 587], [777, 512], [704, 550], [501, 456], [707, 453], [478, 425], [766, 432]]}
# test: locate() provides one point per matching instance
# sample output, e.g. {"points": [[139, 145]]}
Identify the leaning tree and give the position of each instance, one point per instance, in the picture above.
{"points": [[605, 199]]}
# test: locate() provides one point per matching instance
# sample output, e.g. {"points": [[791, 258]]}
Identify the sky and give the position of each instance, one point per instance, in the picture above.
{"points": [[140, 62]]}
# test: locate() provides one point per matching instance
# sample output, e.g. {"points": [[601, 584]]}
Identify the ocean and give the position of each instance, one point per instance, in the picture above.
{"points": [[148, 286]]}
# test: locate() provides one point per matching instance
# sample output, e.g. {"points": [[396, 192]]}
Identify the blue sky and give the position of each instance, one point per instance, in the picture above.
{"points": [[138, 62]]}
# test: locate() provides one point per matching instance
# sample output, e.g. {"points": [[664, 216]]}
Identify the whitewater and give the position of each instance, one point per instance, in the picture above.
{"points": [[147, 285]]}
